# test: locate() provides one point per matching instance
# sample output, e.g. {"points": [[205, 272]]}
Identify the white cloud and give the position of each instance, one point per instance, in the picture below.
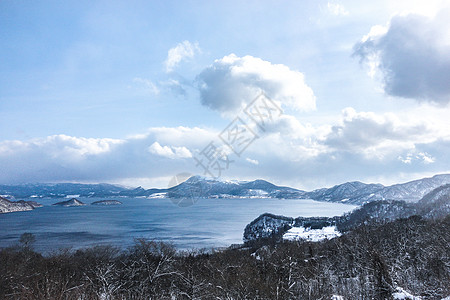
{"points": [[337, 9], [377, 135], [232, 82], [421, 156], [182, 51], [427, 8], [358, 146], [252, 161], [61, 146], [412, 56], [68, 158], [169, 152]]}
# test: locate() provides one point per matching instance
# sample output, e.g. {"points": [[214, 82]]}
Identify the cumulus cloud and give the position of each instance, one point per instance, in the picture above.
{"points": [[182, 51], [232, 82], [421, 156], [412, 56], [169, 152]]}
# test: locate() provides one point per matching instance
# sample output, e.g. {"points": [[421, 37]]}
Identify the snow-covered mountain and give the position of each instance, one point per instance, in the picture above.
{"points": [[198, 186], [12, 206], [350, 192], [354, 192], [436, 204], [61, 190], [345, 192], [360, 193]]}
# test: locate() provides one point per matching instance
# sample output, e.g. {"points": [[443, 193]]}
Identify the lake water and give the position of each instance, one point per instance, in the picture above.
{"points": [[208, 223]]}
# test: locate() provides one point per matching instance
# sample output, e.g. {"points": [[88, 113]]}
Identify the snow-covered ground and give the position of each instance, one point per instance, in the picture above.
{"points": [[404, 295], [314, 235]]}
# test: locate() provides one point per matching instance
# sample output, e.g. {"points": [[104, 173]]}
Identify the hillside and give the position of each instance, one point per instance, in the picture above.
{"points": [[435, 204]]}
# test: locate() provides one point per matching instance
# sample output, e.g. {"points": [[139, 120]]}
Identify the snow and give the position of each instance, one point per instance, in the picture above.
{"points": [[402, 294], [157, 195], [257, 192], [313, 235]]}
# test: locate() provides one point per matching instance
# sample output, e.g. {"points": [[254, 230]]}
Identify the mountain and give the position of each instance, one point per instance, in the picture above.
{"points": [[344, 192], [198, 186], [61, 190], [436, 204], [12, 206], [269, 226], [350, 192], [354, 192], [71, 202], [64, 190], [359, 193]]}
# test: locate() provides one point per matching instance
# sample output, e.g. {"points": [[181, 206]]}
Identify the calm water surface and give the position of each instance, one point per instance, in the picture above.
{"points": [[208, 223]]}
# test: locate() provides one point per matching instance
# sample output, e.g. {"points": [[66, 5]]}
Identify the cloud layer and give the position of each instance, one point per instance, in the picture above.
{"points": [[231, 82], [377, 135], [290, 152], [159, 152], [412, 55]]}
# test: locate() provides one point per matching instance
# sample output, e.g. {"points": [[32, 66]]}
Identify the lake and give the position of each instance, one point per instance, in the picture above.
{"points": [[206, 224]]}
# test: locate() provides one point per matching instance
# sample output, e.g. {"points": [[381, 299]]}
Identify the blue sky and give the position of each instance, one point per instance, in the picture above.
{"points": [[130, 92]]}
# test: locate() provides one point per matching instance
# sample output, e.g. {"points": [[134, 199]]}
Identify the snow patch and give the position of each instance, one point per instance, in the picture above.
{"points": [[309, 234], [157, 195], [402, 294]]}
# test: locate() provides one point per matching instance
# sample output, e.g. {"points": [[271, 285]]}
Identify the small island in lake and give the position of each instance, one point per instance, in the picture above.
{"points": [[7, 206], [71, 202], [106, 202]]}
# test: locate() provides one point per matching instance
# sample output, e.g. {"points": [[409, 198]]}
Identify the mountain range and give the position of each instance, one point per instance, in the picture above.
{"points": [[200, 187]]}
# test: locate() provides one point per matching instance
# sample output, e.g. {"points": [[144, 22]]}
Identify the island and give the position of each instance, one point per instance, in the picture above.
{"points": [[7, 206], [106, 202], [71, 202]]}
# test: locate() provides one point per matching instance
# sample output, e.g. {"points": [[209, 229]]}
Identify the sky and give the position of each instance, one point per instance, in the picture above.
{"points": [[307, 94]]}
